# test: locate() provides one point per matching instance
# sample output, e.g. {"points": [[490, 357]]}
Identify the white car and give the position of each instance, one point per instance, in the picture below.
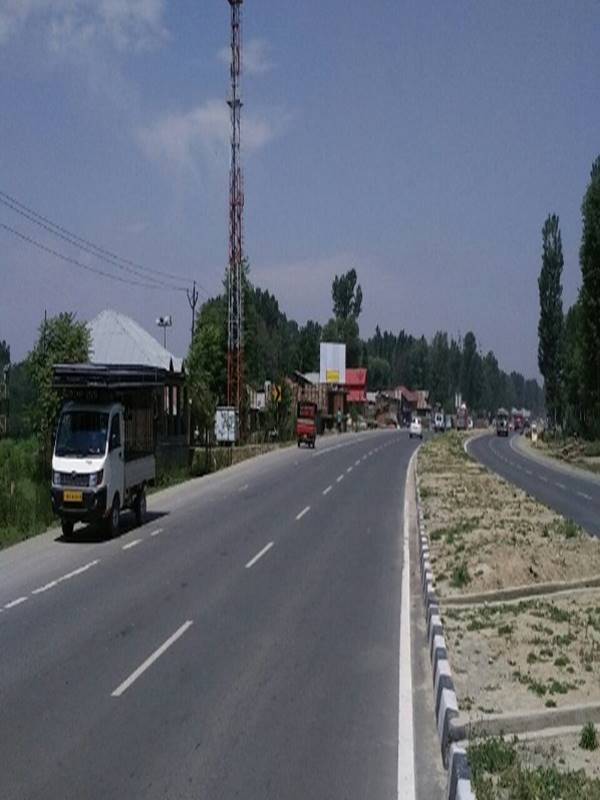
{"points": [[416, 429]]}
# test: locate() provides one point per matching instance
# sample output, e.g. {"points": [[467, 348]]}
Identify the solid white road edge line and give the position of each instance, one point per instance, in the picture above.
{"points": [[16, 602], [129, 545], [406, 742], [327, 490], [253, 561], [302, 513], [151, 659]]}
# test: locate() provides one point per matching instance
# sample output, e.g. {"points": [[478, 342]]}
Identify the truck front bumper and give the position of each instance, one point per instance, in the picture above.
{"points": [[91, 507]]}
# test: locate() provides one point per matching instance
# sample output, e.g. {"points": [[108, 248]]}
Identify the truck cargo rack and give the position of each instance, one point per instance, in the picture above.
{"points": [[108, 377]]}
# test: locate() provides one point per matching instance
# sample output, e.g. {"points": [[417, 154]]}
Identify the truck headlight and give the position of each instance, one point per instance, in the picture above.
{"points": [[96, 478], [56, 478]]}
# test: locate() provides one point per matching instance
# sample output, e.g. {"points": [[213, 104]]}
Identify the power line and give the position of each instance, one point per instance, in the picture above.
{"points": [[87, 267], [89, 246], [85, 248]]}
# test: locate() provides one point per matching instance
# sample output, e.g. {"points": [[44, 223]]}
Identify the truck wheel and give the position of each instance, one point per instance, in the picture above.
{"points": [[67, 528], [114, 518], [139, 507]]}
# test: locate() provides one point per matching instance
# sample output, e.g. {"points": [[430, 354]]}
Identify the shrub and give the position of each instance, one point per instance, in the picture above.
{"points": [[589, 738]]}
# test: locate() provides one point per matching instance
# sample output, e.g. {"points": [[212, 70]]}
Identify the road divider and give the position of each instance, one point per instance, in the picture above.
{"points": [[151, 659]]}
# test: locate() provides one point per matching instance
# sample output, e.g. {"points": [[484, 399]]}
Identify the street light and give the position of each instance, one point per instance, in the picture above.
{"points": [[164, 323]]}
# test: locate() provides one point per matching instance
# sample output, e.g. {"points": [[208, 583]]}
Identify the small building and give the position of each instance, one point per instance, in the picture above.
{"points": [[116, 339]]}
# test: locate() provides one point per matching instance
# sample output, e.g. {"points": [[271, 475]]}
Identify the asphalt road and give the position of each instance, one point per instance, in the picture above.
{"points": [[243, 643], [566, 491]]}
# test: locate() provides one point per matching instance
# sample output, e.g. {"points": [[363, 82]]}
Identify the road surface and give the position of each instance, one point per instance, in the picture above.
{"points": [[243, 643], [571, 494]]}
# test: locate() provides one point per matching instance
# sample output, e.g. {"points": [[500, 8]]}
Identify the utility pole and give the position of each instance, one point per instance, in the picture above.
{"points": [[192, 300], [235, 311]]}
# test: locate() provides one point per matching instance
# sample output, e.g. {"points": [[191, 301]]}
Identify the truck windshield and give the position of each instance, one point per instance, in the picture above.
{"points": [[81, 434]]}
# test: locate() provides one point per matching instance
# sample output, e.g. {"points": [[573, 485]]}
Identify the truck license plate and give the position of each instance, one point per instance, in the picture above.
{"points": [[72, 497]]}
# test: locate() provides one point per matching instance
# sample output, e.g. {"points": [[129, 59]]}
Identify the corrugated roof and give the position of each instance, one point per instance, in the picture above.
{"points": [[117, 339]]}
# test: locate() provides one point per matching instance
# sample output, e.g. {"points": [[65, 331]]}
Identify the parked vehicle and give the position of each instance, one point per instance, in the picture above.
{"points": [[416, 429], [306, 424], [462, 418], [104, 452], [439, 423], [502, 422]]}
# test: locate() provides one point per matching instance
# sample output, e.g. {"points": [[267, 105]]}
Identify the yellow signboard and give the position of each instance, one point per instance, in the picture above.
{"points": [[333, 376]]}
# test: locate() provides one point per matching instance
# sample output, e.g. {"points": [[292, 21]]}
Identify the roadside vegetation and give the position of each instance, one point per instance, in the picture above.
{"points": [[487, 535], [568, 351], [527, 653], [516, 770]]}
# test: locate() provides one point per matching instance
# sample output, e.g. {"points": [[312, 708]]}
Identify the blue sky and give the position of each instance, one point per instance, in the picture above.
{"points": [[421, 143]]}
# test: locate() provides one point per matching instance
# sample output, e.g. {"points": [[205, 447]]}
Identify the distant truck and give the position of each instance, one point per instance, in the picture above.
{"points": [[439, 422], [104, 452], [502, 417], [306, 423]]}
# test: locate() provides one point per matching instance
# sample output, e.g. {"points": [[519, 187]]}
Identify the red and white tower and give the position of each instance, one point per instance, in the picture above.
{"points": [[235, 295]]}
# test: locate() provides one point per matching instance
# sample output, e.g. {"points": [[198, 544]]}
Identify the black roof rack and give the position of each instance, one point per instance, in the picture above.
{"points": [[108, 376]]}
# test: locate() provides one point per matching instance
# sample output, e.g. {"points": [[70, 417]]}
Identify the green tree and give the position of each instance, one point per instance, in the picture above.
{"points": [[573, 370], [61, 340], [207, 363], [4, 355], [439, 384], [471, 374], [589, 256], [309, 338], [347, 296], [379, 374], [550, 325]]}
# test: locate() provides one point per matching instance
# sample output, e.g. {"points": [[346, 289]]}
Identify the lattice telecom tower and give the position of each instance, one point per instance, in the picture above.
{"points": [[235, 297]]}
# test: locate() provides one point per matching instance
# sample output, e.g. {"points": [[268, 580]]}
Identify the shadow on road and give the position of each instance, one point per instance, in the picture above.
{"points": [[94, 533]]}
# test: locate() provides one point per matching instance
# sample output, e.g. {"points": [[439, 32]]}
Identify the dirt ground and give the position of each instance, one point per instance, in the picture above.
{"points": [[486, 534], [579, 453], [526, 655], [563, 749]]}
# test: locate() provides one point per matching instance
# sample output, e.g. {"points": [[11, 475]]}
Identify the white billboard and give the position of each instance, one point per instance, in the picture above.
{"points": [[226, 425], [333, 363]]}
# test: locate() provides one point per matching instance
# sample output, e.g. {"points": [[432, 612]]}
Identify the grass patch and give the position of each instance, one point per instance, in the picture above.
{"points": [[460, 576], [499, 773]]}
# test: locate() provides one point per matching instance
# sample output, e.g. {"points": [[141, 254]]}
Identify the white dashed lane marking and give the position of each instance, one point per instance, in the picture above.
{"points": [[265, 549], [16, 602]]}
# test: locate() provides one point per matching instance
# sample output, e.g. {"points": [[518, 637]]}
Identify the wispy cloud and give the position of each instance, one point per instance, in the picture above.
{"points": [[180, 138], [256, 57], [73, 25]]}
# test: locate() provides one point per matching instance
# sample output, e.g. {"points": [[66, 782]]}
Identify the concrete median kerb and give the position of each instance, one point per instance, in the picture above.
{"points": [[444, 694]]}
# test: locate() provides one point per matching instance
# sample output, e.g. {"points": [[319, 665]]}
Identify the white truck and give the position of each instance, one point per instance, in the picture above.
{"points": [[104, 451]]}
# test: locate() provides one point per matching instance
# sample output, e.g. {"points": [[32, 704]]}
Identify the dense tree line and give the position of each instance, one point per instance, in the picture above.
{"points": [[569, 345], [276, 346]]}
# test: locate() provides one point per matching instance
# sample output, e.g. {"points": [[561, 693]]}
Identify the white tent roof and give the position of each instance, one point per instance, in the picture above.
{"points": [[117, 339]]}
